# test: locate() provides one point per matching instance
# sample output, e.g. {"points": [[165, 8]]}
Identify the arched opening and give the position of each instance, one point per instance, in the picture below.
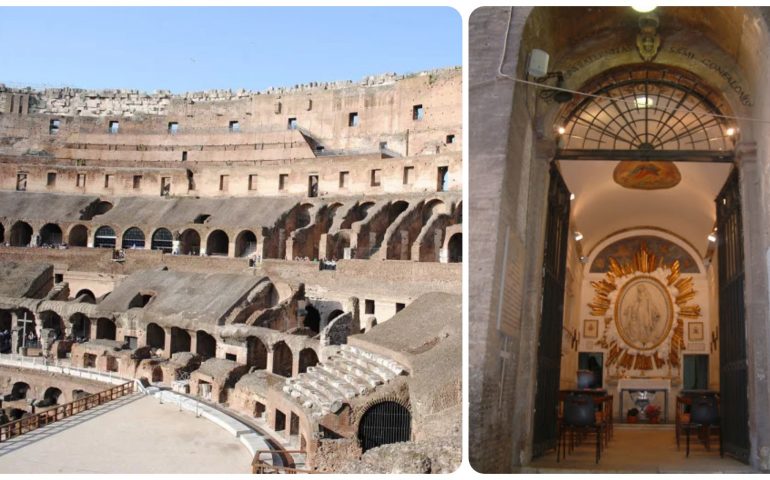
{"points": [[20, 390], [78, 236], [190, 242], [105, 328], [205, 344], [334, 314], [85, 296], [21, 234], [101, 208], [156, 336], [342, 242], [307, 358], [133, 238], [245, 244], [455, 247], [180, 340], [157, 374], [312, 319], [282, 359], [27, 333], [51, 234], [105, 237], [256, 353], [81, 327], [217, 244], [51, 396], [2, 233], [384, 423], [162, 240], [52, 320]]}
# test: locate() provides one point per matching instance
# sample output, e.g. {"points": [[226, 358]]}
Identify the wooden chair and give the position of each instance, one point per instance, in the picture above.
{"points": [[704, 418], [578, 419]]}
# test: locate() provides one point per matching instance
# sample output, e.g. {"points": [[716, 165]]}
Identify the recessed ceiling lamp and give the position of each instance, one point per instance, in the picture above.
{"points": [[643, 7]]}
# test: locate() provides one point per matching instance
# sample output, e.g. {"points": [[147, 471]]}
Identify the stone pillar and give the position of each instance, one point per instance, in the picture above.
{"points": [[281, 243], [754, 198], [289, 248], [294, 364], [167, 342], [231, 249], [270, 358], [323, 246], [352, 306], [443, 255]]}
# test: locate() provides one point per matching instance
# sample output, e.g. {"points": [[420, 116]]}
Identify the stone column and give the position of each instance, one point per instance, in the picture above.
{"points": [[294, 364], [167, 342], [754, 200], [270, 358]]}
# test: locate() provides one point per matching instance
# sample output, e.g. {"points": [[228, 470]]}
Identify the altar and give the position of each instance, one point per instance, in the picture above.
{"points": [[635, 392]]}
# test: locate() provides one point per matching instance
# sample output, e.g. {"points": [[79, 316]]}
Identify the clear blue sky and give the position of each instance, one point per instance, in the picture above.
{"points": [[199, 48]]}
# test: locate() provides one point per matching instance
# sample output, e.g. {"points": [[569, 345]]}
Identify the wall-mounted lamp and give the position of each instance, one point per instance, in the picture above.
{"points": [[578, 236], [643, 7], [571, 196], [712, 237], [730, 132]]}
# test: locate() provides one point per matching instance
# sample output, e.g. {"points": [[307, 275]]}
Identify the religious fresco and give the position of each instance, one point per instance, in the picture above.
{"points": [[643, 313], [623, 251], [646, 175]]}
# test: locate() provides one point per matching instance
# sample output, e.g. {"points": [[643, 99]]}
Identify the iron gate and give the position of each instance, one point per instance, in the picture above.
{"points": [[552, 315], [733, 367], [385, 422]]}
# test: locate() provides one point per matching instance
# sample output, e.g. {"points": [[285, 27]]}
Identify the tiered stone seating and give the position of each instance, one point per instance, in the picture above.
{"points": [[349, 372]]}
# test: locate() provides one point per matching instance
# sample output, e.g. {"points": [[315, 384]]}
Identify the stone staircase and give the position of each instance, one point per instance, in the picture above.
{"points": [[347, 373]]}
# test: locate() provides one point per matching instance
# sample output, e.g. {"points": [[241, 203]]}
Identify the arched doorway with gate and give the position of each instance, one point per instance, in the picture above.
{"points": [[383, 423], [640, 277]]}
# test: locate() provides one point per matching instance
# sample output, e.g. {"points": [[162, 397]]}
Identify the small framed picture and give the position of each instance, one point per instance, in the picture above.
{"points": [[695, 331], [590, 328]]}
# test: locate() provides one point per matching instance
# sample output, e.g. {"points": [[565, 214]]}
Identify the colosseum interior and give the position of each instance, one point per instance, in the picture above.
{"points": [[290, 257]]}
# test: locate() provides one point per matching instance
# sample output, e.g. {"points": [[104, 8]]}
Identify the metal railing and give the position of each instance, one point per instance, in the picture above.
{"points": [[259, 466], [35, 421]]}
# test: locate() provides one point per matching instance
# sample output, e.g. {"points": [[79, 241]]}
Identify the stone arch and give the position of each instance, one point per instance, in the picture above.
{"points": [[307, 358], [388, 413], [205, 344], [342, 242], [282, 359], [21, 234], [245, 243], [51, 396], [433, 206], [155, 336], [217, 243], [133, 238], [105, 328], [157, 374], [81, 326], [162, 239], [455, 248], [20, 390], [334, 314], [52, 320], [256, 353], [458, 212], [356, 214], [88, 296], [78, 236], [312, 318], [51, 234], [180, 340], [105, 237], [190, 242]]}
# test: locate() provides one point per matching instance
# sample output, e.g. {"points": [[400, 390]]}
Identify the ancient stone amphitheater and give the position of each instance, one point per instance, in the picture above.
{"points": [[288, 258]]}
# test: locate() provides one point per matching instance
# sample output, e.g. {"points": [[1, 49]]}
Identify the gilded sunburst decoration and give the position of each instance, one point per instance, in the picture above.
{"points": [[644, 303]]}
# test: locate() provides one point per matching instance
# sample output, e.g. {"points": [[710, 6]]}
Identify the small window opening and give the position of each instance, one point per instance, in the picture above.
{"points": [[292, 123], [231, 356], [418, 112], [408, 175], [376, 177], [107, 181], [137, 181], [53, 127], [184, 156], [21, 182], [253, 182], [51, 180], [114, 127], [312, 186], [450, 139], [282, 179], [235, 126], [344, 179], [81, 181], [201, 218], [443, 179], [353, 119], [369, 307], [399, 307], [173, 127], [224, 183]]}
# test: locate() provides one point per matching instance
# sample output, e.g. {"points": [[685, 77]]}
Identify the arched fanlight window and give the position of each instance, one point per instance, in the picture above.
{"points": [[104, 237], [133, 238]]}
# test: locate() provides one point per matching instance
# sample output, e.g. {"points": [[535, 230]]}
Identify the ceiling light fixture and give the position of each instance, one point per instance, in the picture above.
{"points": [[561, 130], [643, 7], [578, 236], [730, 132], [712, 237]]}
